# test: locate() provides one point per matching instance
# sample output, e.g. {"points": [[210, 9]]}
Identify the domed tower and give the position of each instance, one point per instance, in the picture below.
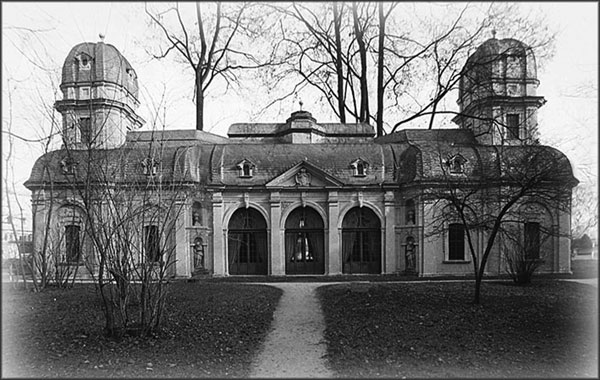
{"points": [[497, 94], [100, 97]]}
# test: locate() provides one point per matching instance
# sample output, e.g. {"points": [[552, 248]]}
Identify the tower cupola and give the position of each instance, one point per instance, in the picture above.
{"points": [[497, 93], [99, 97]]}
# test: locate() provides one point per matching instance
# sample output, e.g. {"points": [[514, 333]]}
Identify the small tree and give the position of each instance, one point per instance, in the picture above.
{"points": [[522, 253], [484, 199]]}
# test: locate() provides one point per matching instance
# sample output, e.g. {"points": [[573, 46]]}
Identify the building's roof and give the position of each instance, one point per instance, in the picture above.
{"points": [[406, 157], [107, 65]]}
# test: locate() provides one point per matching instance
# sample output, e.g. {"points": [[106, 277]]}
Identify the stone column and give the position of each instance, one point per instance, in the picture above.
{"points": [[389, 263], [182, 245], [333, 258], [277, 262], [219, 254]]}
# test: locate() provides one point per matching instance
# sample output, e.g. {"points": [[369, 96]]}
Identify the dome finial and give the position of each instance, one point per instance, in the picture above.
{"points": [[493, 33], [301, 103], [101, 35]]}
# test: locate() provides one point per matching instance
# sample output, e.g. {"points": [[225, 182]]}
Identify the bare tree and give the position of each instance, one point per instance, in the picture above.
{"points": [[522, 252], [390, 55], [485, 199], [213, 48]]}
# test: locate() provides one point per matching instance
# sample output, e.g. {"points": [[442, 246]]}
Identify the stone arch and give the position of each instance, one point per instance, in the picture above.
{"points": [[293, 206], [370, 205], [304, 240], [257, 206], [247, 244], [362, 241]]}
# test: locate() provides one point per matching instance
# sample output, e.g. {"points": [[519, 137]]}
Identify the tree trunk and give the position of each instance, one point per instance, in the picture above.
{"points": [[337, 19], [199, 101], [362, 49], [380, 72], [477, 289]]}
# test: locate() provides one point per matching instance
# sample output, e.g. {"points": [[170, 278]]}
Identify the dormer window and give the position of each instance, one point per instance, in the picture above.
{"points": [[246, 168], [84, 61], [131, 73], [456, 164], [359, 167], [68, 165], [150, 167]]}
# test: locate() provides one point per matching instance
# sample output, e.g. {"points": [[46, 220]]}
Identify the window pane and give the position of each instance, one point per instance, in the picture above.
{"points": [[512, 126], [72, 243], [456, 235], [532, 240], [151, 243]]}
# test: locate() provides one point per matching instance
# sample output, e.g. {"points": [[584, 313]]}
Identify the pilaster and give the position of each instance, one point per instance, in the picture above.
{"points": [[219, 249], [333, 260], [277, 260], [390, 257]]}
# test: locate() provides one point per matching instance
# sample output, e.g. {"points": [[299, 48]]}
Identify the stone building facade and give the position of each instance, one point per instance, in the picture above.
{"points": [[300, 197]]}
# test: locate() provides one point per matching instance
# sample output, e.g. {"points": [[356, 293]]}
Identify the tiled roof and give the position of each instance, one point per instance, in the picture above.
{"points": [[272, 160]]}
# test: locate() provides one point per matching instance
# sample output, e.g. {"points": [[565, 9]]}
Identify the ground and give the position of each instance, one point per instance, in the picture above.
{"points": [[371, 329], [547, 329], [211, 330]]}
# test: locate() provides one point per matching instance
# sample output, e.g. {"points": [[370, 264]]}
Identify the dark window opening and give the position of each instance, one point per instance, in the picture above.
{"points": [[151, 244], [247, 243], [361, 241], [512, 126], [532, 240], [456, 242], [410, 216], [85, 128], [246, 170], [72, 243]]}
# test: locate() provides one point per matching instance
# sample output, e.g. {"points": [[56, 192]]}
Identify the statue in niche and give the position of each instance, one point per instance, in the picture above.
{"points": [[198, 253], [410, 255]]}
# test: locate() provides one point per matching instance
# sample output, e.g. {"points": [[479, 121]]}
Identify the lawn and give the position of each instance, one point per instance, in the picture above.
{"points": [[547, 329], [210, 330]]}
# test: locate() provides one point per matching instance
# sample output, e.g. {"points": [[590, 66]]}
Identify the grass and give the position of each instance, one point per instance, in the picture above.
{"points": [[547, 329], [210, 330]]}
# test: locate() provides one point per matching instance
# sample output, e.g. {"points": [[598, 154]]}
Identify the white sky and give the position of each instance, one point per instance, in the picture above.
{"points": [[568, 121]]}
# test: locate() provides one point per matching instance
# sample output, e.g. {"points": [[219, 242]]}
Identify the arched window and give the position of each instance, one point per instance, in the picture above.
{"points": [[247, 242], [246, 168], [361, 241], [304, 242]]}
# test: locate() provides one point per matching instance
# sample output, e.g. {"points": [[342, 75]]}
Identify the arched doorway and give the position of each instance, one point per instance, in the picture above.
{"points": [[304, 242], [361, 241], [247, 243]]}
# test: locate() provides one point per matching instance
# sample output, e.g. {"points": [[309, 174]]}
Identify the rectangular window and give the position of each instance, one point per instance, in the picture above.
{"points": [[456, 242], [72, 244], [151, 243], [85, 128], [532, 240], [85, 93], [512, 126]]}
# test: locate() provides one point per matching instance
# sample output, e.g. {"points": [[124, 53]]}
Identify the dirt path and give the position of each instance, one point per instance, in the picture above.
{"points": [[295, 346]]}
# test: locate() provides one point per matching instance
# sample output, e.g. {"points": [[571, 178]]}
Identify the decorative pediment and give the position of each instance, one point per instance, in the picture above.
{"points": [[304, 175]]}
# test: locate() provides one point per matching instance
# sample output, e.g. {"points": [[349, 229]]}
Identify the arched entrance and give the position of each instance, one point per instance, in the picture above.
{"points": [[361, 241], [247, 243], [304, 242]]}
